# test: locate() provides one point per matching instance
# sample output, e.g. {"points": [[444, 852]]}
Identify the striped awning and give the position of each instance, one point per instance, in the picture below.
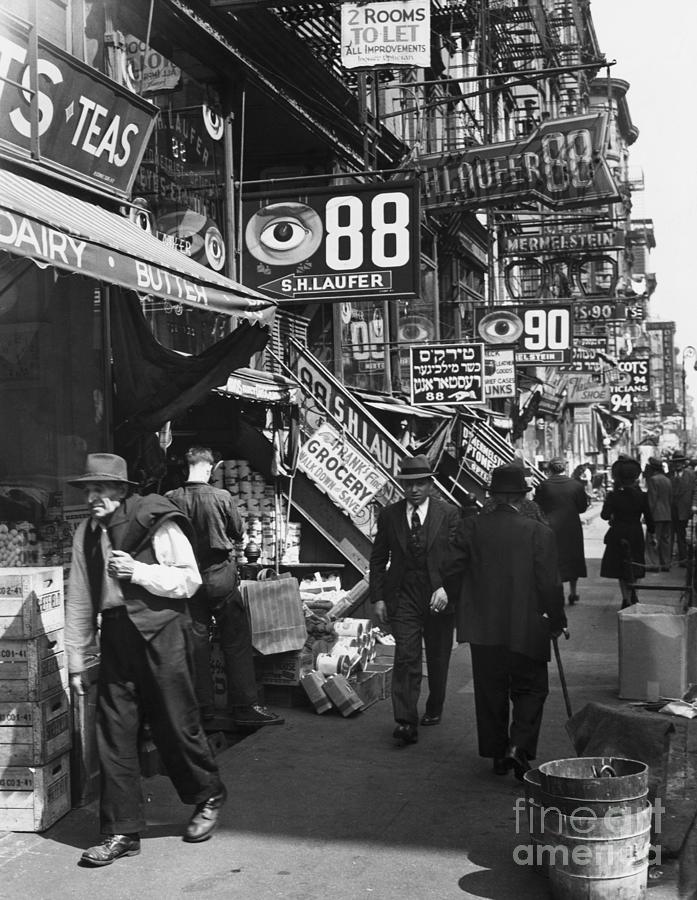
{"points": [[52, 228]]}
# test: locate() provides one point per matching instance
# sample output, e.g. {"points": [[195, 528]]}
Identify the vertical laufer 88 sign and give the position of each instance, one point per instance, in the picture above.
{"points": [[333, 243]]}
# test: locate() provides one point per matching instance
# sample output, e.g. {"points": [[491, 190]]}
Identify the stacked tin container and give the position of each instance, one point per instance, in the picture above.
{"points": [[35, 722]]}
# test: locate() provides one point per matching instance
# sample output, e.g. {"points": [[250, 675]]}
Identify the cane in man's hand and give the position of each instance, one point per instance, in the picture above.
{"points": [[562, 678]]}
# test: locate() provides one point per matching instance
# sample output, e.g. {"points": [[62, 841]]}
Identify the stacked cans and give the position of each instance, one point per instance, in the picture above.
{"points": [[35, 732]]}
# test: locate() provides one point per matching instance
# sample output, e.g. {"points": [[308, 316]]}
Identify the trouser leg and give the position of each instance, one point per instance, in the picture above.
{"points": [[118, 725], [663, 541], [407, 623], [201, 619], [236, 645], [438, 641], [529, 689], [170, 707], [681, 536], [491, 699]]}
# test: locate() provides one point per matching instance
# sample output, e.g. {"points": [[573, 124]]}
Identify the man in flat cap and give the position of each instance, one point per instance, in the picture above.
{"points": [[413, 539], [511, 603], [133, 569]]}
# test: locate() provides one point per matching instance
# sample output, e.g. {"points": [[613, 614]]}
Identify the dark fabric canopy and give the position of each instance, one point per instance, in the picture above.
{"points": [[154, 384]]}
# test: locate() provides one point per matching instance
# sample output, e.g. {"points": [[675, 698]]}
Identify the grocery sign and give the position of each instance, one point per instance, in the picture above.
{"points": [[333, 243], [561, 164], [85, 123]]}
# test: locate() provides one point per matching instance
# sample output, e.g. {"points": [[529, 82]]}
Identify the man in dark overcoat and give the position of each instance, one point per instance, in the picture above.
{"points": [[412, 542], [511, 604], [683, 503], [658, 491], [562, 500]]}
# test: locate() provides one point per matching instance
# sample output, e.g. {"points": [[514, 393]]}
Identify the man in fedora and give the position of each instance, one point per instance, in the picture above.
{"points": [[511, 603], [683, 502], [413, 540], [132, 571]]}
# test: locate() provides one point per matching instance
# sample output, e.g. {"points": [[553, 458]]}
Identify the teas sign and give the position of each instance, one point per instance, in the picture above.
{"points": [[386, 33], [447, 373], [84, 122], [337, 243], [350, 478]]}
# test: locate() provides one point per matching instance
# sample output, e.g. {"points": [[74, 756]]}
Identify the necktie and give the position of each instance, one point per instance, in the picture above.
{"points": [[415, 527], [94, 559]]}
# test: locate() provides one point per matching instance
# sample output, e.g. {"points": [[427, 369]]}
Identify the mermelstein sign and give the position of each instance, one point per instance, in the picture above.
{"points": [[561, 164], [83, 123]]}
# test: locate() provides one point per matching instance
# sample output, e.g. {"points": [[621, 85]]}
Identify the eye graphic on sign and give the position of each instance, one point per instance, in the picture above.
{"points": [[213, 122], [284, 234], [500, 327], [416, 328], [215, 248]]}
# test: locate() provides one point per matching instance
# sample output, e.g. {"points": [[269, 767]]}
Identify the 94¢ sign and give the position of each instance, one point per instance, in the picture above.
{"points": [[333, 243]]}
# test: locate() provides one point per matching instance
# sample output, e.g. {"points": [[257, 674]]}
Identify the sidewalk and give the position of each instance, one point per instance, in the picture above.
{"points": [[326, 808]]}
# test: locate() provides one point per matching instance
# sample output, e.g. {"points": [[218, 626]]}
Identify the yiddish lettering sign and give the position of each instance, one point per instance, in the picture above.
{"points": [[447, 373]]}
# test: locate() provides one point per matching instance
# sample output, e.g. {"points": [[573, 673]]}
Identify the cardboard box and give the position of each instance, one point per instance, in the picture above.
{"points": [[342, 695], [384, 672], [313, 684], [33, 798], [368, 686], [657, 651], [31, 601], [276, 617], [32, 734], [33, 669], [280, 668]]}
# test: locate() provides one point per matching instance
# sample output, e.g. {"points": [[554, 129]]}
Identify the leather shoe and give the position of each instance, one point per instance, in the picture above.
{"points": [[519, 761], [428, 719], [573, 599], [112, 848], [203, 822], [407, 734], [502, 765]]}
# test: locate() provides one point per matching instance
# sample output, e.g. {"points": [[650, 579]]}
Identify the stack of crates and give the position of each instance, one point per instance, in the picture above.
{"points": [[35, 721]]}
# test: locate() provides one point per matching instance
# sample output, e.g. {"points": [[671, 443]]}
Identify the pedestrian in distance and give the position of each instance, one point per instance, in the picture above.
{"points": [[412, 543], [624, 508], [683, 503], [562, 500], [511, 603], [217, 524], [659, 491], [133, 569]]}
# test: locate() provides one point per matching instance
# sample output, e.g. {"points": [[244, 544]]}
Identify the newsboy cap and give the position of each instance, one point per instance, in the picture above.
{"points": [[103, 467], [508, 479], [413, 467]]}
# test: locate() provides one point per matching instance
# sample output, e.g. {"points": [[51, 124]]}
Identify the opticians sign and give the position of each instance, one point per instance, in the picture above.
{"points": [[84, 123], [561, 164], [336, 243], [540, 334], [387, 33]]}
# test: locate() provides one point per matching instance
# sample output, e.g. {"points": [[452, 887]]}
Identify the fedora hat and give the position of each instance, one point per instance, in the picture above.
{"points": [[413, 467], [655, 463], [626, 469], [508, 479], [103, 467]]}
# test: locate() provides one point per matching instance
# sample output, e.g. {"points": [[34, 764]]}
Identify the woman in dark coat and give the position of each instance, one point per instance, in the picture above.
{"points": [[624, 508], [562, 500]]}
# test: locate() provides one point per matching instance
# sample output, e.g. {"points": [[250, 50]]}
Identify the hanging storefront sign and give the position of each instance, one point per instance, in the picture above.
{"points": [[594, 312], [349, 477], [482, 451], [584, 353], [562, 164], [85, 124], [387, 33], [636, 388], [540, 334], [445, 374], [333, 243], [150, 70], [585, 388], [562, 241], [499, 373]]}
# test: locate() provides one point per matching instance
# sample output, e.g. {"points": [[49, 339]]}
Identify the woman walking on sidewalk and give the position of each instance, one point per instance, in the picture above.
{"points": [[624, 508]]}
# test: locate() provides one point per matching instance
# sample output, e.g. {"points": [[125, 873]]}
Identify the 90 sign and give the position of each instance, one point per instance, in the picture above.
{"points": [[590, 311]]}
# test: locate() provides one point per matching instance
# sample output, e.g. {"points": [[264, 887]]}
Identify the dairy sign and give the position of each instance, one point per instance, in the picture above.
{"points": [[81, 122], [333, 243], [561, 164], [389, 33], [350, 478], [447, 373]]}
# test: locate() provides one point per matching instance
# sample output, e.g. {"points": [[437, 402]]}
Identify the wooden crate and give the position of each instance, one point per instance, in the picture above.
{"points": [[31, 601], [33, 669], [384, 670], [33, 798], [369, 687], [32, 734]]}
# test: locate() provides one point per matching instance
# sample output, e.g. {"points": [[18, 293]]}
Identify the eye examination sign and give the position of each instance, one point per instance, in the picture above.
{"points": [[447, 373], [333, 243], [389, 33]]}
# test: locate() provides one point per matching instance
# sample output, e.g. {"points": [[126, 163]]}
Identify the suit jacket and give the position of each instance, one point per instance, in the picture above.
{"points": [[659, 490], [684, 494], [506, 566], [389, 553]]}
